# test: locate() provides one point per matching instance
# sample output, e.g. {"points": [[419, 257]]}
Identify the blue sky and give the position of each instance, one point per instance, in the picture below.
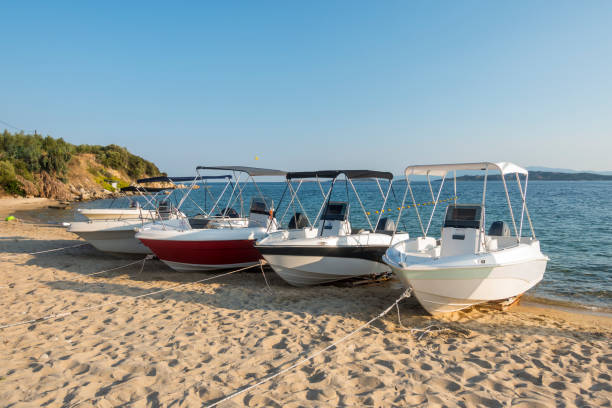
{"points": [[305, 85]]}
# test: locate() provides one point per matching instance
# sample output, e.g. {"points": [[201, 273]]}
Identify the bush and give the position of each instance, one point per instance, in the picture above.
{"points": [[30, 154], [8, 179]]}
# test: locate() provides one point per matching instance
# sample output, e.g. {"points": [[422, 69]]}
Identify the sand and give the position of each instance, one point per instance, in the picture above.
{"points": [[10, 205], [195, 343]]}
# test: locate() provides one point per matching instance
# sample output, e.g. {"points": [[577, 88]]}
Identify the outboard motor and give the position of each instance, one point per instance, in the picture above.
{"points": [[261, 213], [499, 229], [334, 220], [298, 221], [228, 212], [385, 226], [461, 231]]}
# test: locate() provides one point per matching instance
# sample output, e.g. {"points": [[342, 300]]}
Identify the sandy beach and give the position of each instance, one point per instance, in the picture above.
{"points": [[195, 343]]}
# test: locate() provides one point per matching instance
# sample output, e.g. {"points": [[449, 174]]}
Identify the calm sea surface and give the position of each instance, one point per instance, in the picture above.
{"points": [[573, 221]]}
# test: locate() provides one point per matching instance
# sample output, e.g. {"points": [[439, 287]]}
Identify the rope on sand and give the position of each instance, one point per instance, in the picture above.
{"points": [[261, 265], [12, 285], [404, 295], [143, 260], [432, 328], [436, 328], [64, 314], [45, 251]]}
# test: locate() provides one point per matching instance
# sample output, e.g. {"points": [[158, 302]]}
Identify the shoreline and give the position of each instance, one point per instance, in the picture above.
{"points": [[198, 342], [569, 313], [12, 205], [574, 310]]}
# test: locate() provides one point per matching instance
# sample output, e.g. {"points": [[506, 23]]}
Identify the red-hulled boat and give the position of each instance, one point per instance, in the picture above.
{"points": [[186, 249]]}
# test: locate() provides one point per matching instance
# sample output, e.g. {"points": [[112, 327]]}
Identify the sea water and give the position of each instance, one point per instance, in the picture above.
{"points": [[572, 220]]}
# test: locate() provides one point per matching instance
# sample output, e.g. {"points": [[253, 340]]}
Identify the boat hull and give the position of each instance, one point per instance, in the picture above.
{"points": [[116, 213], [453, 289], [204, 255], [116, 237], [185, 249], [305, 266]]}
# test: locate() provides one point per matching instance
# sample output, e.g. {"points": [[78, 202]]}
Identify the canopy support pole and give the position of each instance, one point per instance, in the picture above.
{"points": [[299, 202], [416, 209], [525, 209], [188, 191], [325, 204], [483, 217], [399, 216], [510, 207], [365, 213], [325, 200], [229, 182], [435, 204], [430, 188]]}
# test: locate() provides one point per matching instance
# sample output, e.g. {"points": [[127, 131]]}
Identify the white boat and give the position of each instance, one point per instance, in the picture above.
{"points": [[113, 229], [134, 210], [134, 213], [467, 266], [118, 235], [215, 217], [332, 251], [111, 235], [184, 248]]}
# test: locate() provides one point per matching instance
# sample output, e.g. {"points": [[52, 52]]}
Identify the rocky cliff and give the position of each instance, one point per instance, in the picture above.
{"points": [[36, 166]]}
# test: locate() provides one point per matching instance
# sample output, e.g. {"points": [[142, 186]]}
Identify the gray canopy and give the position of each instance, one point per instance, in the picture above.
{"points": [[251, 171]]}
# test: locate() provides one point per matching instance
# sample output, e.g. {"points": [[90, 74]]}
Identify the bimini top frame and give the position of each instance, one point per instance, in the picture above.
{"points": [[442, 170], [170, 179], [251, 171], [237, 171], [198, 179], [333, 175], [154, 191]]}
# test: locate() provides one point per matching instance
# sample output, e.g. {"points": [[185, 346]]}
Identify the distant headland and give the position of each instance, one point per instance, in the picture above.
{"points": [[37, 166]]}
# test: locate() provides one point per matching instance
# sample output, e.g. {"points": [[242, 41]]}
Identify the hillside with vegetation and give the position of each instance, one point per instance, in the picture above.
{"points": [[33, 165]]}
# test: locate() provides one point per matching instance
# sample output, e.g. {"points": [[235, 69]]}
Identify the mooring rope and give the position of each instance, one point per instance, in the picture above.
{"points": [[143, 260], [404, 295], [261, 265], [44, 252], [56, 316]]}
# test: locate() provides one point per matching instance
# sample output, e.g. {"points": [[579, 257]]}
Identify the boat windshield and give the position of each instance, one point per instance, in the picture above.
{"points": [[463, 216]]}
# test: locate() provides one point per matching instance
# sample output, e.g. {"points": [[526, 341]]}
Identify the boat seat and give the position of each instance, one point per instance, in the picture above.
{"points": [[198, 222], [165, 209], [298, 221]]}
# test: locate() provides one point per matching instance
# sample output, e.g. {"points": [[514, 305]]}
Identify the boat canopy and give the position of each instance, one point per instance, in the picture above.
{"points": [[351, 174], [181, 179], [145, 189], [441, 170], [251, 171]]}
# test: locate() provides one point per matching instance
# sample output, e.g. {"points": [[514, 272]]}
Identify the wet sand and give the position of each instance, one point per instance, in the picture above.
{"points": [[193, 344]]}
